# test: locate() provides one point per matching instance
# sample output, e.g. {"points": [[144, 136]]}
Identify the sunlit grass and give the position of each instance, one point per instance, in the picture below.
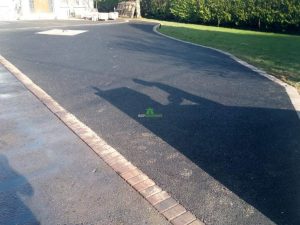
{"points": [[277, 54]]}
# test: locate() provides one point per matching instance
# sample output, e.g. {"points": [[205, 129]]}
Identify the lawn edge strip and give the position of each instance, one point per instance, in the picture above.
{"points": [[290, 90], [139, 181]]}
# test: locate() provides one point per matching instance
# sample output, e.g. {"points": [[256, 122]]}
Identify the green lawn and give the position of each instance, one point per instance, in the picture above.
{"points": [[277, 54]]}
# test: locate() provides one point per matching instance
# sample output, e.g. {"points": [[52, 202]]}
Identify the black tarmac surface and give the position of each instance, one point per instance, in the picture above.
{"points": [[228, 143], [48, 176]]}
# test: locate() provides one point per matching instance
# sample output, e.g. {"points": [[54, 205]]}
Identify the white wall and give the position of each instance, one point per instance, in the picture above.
{"points": [[15, 9], [25, 7], [8, 9], [66, 8]]}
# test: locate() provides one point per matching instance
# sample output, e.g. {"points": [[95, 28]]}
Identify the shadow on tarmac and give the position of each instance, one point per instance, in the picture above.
{"points": [[254, 152], [13, 185]]}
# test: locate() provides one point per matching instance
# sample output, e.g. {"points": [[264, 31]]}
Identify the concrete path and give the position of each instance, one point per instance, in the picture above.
{"points": [[49, 176]]}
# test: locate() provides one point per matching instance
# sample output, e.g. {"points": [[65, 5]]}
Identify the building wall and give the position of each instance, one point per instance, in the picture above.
{"points": [[63, 8], [8, 9], [24, 9]]}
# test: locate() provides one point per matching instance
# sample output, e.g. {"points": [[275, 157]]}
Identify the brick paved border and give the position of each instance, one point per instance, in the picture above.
{"points": [[290, 90], [159, 199]]}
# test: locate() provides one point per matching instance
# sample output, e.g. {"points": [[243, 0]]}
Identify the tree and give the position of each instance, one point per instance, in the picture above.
{"points": [[219, 10], [138, 8], [185, 10], [106, 5]]}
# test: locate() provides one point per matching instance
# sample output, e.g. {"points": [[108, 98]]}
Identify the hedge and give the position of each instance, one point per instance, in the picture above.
{"points": [[266, 15]]}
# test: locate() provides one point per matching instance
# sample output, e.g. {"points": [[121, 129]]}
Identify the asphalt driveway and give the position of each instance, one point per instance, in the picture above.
{"points": [[228, 143], [48, 176]]}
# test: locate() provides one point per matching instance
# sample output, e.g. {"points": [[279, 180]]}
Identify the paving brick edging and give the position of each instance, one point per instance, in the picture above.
{"points": [[290, 90], [159, 199]]}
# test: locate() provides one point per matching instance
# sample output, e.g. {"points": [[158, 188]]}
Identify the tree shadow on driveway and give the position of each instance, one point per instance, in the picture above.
{"points": [[254, 152]]}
